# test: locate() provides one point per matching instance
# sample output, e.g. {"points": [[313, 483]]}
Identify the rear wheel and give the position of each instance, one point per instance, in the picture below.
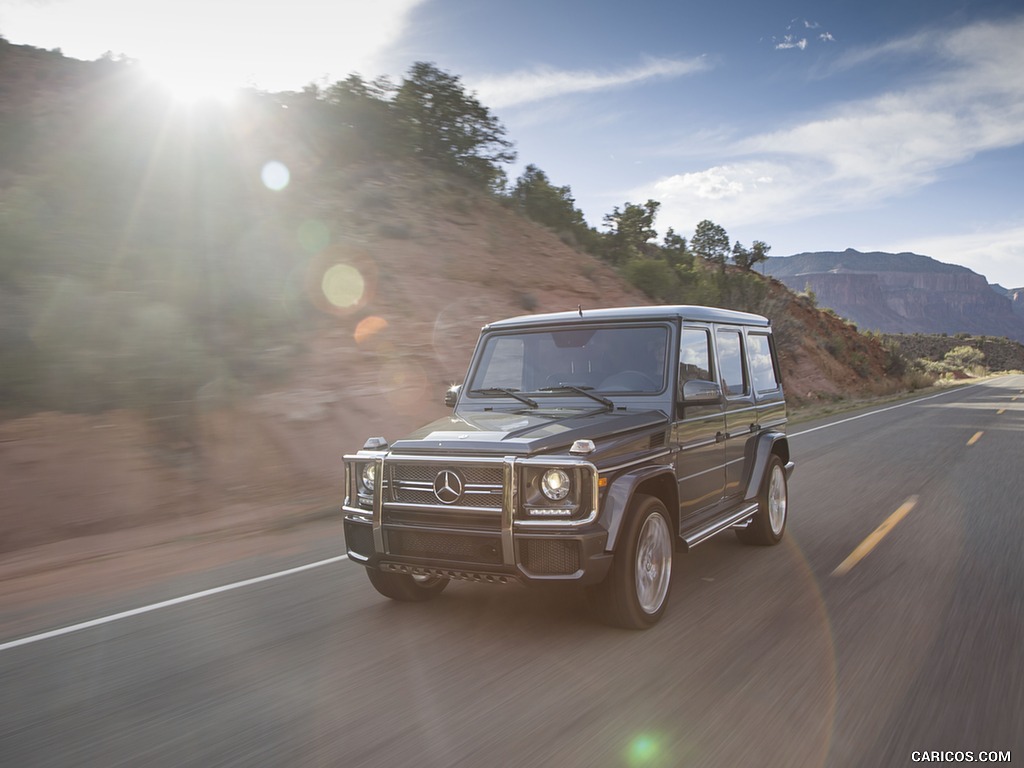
{"points": [[769, 522], [406, 587], [635, 593]]}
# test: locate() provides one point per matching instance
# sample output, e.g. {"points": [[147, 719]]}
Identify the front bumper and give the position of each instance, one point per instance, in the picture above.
{"points": [[575, 555]]}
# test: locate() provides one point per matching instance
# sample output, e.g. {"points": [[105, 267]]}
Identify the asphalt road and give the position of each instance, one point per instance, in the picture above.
{"points": [[823, 651]]}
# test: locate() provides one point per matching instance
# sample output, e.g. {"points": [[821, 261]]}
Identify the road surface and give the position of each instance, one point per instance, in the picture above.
{"points": [[889, 622]]}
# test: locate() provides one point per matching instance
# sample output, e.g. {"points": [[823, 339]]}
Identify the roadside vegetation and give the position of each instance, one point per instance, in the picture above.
{"points": [[144, 264]]}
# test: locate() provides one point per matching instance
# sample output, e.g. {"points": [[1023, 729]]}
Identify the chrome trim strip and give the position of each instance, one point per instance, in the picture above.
{"points": [[365, 515], [717, 468], [508, 510], [425, 486], [438, 507], [378, 508], [403, 458], [702, 444], [718, 526]]}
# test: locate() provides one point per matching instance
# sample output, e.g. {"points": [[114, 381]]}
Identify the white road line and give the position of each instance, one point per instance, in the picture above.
{"points": [[883, 410], [166, 603]]}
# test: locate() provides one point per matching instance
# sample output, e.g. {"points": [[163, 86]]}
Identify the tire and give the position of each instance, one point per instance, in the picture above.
{"points": [[405, 587], [769, 522], [635, 593]]}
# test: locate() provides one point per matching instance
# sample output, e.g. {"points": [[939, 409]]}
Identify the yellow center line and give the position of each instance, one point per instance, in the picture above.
{"points": [[872, 541], [975, 438]]}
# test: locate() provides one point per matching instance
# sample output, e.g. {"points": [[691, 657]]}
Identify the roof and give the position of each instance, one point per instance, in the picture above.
{"points": [[664, 312]]}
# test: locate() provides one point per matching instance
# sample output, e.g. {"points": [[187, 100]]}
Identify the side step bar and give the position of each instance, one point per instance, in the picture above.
{"points": [[695, 537]]}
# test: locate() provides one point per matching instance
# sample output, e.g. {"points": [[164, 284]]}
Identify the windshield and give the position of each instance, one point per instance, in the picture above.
{"points": [[620, 360]]}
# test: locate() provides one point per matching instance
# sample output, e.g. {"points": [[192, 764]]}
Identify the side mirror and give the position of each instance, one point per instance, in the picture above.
{"points": [[700, 392], [452, 395]]}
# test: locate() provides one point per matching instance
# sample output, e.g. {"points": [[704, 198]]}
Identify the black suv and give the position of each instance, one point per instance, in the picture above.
{"points": [[584, 446]]}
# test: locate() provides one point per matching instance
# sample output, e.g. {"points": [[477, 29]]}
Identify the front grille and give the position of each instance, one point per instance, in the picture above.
{"points": [[550, 556], [452, 547], [413, 483]]}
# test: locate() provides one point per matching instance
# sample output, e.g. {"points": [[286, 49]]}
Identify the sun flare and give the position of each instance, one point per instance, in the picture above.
{"points": [[191, 82]]}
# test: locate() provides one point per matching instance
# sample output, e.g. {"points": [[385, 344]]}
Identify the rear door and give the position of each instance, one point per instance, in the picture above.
{"points": [[740, 413]]}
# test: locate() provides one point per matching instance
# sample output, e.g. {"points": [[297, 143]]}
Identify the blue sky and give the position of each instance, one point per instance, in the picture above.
{"points": [[893, 126]]}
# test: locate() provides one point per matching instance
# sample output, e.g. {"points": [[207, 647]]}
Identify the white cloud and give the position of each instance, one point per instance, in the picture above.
{"points": [[790, 41], [523, 87], [865, 152]]}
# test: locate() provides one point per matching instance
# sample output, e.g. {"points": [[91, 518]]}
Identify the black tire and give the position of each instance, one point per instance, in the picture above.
{"points": [[406, 588], [769, 522], [635, 593]]}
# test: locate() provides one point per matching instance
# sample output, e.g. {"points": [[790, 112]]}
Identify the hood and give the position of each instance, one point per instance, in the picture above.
{"points": [[522, 433]]}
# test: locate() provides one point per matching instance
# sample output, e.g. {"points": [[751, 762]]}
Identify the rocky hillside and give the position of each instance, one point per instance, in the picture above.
{"points": [[902, 293]]}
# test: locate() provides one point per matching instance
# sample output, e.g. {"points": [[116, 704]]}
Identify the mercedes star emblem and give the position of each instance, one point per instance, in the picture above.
{"points": [[448, 486]]}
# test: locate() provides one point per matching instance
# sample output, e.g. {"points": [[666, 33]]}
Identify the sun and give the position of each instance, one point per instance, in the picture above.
{"points": [[192, 81]]}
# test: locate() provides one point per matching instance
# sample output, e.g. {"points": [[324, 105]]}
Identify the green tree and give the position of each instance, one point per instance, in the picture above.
{"points": [[543, 202], [630, 231], [449, 128], [674, 250], [711, 242]]}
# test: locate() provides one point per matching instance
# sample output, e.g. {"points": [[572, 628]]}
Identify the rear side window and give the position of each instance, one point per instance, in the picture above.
{"points": [[731, 363], [762, 367], [695, 355]]}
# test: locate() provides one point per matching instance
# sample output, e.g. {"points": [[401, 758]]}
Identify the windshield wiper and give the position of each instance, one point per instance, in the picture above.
{"points": [[506, 391], [581, 391]]}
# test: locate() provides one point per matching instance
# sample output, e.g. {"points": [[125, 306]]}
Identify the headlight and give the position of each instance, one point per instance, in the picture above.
{"points": [[369, 475], [555, 484]]}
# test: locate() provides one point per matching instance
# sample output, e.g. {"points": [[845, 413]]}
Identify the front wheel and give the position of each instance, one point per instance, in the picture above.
{"points": [[635, 593], [769, 522], [406, 587]]}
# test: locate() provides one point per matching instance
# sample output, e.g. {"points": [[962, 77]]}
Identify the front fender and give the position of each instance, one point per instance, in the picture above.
{"points": [[622, 490], [764, 446]]}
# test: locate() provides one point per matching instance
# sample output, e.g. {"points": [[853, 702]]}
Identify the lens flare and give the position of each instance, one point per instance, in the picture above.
{"points": [[341, 280], [275, 175], [343, 286], [644, 750], [369, 327]]}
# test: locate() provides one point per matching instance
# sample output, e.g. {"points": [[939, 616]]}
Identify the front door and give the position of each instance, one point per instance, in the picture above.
{"points": [[698, 430]]}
